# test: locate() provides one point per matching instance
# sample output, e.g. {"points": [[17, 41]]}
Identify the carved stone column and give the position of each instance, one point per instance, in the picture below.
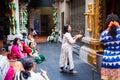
{"points": [[91, 40]]}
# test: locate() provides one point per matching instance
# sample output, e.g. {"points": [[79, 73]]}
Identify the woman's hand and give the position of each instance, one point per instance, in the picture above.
{"points": [[43, 73], [79, 36]]}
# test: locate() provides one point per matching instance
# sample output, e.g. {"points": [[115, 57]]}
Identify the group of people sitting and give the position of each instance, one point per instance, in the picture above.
{"points": [[20, 61], [22, 48], [53, 37]]}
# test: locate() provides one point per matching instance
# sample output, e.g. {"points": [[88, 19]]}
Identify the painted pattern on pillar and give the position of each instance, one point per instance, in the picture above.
{"points": [[12, 19], [55, 18]]}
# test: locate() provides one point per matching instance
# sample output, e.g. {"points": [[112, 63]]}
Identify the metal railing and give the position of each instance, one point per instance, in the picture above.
{"points": [[97, 69]]}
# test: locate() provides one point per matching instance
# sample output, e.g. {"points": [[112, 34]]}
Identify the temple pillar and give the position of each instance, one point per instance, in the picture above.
{"points": [[23, 16], [14, 20], [94, 25], [17, 17]]}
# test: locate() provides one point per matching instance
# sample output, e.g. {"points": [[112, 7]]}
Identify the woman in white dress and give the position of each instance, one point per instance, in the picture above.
{"points": [[66, 57]]}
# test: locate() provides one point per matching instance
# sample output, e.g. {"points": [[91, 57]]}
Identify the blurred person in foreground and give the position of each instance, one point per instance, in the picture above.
{"points": [[110, 38], [28, 73]]}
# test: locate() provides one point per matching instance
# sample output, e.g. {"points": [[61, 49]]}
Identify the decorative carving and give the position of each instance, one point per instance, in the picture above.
{"points": [[12, 7], [99, 18], [102, 15], [55, 18], [89, 15]]}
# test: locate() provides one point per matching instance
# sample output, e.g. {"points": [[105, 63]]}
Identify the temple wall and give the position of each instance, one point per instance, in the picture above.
{"points": [[34, 14]]}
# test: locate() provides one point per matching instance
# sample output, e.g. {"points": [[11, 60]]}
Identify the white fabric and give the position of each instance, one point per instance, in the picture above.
{"points": [[4, 66], [66, 51], [33, 76]]}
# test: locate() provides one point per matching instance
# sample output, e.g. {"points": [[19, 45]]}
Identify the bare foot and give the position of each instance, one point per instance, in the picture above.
{"points": [[62, 71], [73, 72]]}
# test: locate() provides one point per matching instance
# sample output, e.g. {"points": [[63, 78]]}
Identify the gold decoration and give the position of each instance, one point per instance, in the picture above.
{"points": [[98, 26], [99, 18], [13, 16], [89, 15]]}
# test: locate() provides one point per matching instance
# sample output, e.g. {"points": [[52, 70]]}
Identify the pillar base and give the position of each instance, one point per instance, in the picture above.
{"points": [[87, 53]]}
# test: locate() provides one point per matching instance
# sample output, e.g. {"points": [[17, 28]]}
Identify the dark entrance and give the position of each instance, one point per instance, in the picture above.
{"points": [[113, 6], [4, 19], [44, 25]]}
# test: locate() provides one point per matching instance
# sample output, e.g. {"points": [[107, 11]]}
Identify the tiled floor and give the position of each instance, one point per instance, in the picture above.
{"points": [[52, 53]]}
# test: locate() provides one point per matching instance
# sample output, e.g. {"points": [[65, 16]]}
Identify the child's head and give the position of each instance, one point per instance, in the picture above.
{"points": [[28, 64], [31, 45]]}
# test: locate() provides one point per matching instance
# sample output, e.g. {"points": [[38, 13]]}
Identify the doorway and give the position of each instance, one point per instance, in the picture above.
{"points": [[113, 6], [44, 25], [62, 22]]}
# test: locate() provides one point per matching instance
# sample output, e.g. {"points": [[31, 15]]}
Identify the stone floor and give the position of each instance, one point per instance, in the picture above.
{"points": [[51, 65], [41, 39]]}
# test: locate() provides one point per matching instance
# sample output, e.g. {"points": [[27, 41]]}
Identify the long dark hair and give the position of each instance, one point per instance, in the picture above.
{"points": [[27, 64], [15, 41], [111, 17], [30, 44], [112, 30]]}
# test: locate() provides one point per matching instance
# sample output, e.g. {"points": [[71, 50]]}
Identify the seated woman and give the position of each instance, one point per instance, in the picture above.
{"points": [[16, 52], [28, 74], [52, 37], [30, 39], [8, 67], [39, 58]]}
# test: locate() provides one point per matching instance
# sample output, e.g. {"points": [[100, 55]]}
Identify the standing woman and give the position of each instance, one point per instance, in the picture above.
{"points": [[66, 57], [111, 58]]}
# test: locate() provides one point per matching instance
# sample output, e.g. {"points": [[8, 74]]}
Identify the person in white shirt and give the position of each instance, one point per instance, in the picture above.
{"points": [[66, 58], [29, 65]]}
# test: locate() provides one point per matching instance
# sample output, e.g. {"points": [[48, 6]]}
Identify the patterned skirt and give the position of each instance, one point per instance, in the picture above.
{"points": [[110, 74]]}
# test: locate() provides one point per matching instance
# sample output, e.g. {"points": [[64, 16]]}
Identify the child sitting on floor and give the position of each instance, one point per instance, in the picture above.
{"points": [[39, 58]]}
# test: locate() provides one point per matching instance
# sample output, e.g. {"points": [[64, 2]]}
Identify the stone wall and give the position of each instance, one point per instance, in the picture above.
{"points": [[77, 17], [35, 14]]}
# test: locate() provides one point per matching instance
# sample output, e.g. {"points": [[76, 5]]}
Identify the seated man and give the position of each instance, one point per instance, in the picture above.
{"points": [[52, 37]]}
